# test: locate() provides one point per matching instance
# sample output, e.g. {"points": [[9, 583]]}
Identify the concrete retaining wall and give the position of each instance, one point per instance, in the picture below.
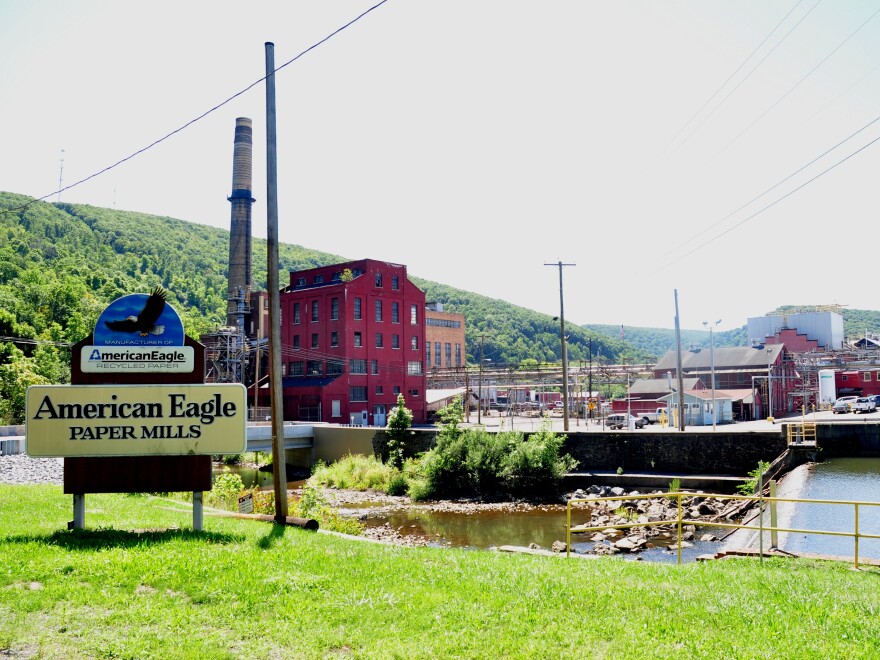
{"points": [[674, 453], [848, 439]]}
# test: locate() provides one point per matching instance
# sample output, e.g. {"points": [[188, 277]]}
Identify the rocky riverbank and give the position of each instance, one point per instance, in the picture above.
{"points": [[623, 507]]}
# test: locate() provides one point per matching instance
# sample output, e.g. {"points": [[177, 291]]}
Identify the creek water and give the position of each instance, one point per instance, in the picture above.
{"points": [[482, 529], [839, 479]]}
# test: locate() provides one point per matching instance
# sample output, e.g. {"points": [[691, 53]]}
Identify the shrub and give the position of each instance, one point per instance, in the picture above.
{"points": [[750, 486], [264, 501], [314, 505], [535, 466], [398, 432], [227, 486], [355, 472], [398, 484], [474, 462]]}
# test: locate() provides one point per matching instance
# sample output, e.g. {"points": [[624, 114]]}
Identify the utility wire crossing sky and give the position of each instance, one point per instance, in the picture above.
{"points": [[723, 150]]}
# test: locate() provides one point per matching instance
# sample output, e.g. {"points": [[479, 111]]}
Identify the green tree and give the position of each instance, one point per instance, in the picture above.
{"points": [[16, 376], [398, 432]]}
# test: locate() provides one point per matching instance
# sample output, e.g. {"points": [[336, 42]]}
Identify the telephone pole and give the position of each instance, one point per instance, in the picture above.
{"points": [[279, 466], [559, 265]]}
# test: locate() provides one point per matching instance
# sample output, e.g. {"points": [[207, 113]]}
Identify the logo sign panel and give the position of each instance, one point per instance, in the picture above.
{"points": [[139, 319], [137, 359], [135, 420]]}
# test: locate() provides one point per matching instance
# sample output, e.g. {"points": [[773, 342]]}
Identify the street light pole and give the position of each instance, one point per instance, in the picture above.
{"points": [[712, 357], [480, 384]]}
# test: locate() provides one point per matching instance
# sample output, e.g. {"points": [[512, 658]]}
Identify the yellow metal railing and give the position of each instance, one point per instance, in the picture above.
{"points": [[679, 521], [801, 433]]}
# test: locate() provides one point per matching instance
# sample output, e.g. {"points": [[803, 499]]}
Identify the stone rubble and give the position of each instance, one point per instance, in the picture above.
{"points": [[22, 469]]}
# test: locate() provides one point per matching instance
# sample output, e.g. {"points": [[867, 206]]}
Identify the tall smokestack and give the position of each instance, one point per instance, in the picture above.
{"points": [[240, 274]]}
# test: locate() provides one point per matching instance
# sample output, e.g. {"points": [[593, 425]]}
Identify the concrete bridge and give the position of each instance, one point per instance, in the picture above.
{"points": [[304, 444]]}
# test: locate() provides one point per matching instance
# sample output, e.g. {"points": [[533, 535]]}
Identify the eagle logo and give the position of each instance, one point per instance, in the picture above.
{"points": [[145, 322]]}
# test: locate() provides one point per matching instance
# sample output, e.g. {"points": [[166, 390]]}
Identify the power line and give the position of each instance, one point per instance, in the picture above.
{"points": [[772, 204], [798, 83], [200, 117], [732, 75], [772, 188]]}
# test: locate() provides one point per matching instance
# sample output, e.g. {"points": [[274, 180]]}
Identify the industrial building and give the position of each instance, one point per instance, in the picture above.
{"points": [[352, 339]]}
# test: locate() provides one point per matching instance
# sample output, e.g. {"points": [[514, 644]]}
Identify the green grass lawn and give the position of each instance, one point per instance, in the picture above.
{"points": [[139, 584]]}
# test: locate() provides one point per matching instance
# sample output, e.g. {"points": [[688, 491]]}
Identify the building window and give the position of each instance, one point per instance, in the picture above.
{"points": [[843, 378], [357, 340], [413, 314], [414, 393], [357, 309], [334, 309], [395, 312], [335, 408], [378, 340], [314, 311], [357, 366], [357, 393], [296, 368], [378, 310], [296, 312], [334, 339], [866, 377], [374, 367], [414, 343], [300, 281], [428, 353], [314, 368], [283, 369], [448, 354], [414, 367], [379, 391], [378, 279], [296, 342], [396, 390], [395, 341], [314, 340], [337, 276], [442, 323], [436, 353], [458, 355], [334, 367], [319, 279], [395, 283]]}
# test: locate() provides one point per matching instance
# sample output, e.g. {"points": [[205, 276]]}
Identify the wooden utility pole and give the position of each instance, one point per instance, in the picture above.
{"points": [[279, 465], [564, 350]]}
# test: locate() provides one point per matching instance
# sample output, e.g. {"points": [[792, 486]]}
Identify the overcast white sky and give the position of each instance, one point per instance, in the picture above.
{"points": [[477, 140]]}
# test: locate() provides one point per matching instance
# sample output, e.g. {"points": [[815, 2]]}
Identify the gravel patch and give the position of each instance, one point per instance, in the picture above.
{"points": [[22, 469]]}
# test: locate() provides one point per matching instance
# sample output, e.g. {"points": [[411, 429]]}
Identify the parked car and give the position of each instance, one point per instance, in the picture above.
{"points": [[618, 421], [843, 404], [864, 404], [655, 416]]}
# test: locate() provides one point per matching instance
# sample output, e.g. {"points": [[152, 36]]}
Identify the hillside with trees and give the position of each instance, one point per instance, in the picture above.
{"points": [[62, 264]]}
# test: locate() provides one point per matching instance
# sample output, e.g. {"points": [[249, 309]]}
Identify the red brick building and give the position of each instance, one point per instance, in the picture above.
{"points": [[353, 338]]}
